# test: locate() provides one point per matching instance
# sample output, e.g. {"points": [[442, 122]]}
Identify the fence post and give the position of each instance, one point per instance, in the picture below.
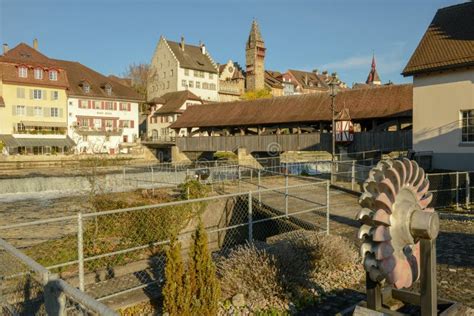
{"points": [[327, 207], [187, 192], [286, 193], [250, 217], [238, 175], [457, 189], [80, 250], [176, 173], [54, 299], [251, 175], [353, 175], [468, 190], [258, 187]]}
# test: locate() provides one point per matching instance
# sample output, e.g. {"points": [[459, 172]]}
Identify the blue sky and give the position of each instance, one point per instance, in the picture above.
{"points": [[336, 35]]}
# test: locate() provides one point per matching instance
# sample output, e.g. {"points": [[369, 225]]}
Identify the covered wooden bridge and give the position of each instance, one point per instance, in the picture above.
{"points": [[380, 117]]}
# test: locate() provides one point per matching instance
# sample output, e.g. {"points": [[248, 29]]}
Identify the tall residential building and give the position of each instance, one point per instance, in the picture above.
{"points": [[255, 59], [102, 112], [179, 66], [33, 114]]}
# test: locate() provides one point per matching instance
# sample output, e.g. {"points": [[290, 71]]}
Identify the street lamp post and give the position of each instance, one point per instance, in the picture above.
{"points": [[333, 93]]}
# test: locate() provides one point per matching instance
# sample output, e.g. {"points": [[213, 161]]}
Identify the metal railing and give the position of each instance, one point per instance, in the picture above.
{"points": [[114, 252], [28, 288]]}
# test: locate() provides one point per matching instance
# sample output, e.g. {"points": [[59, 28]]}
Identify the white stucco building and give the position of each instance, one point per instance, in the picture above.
{"points": [[102, 113], [442, 67], [164, 111], [179, 66]]}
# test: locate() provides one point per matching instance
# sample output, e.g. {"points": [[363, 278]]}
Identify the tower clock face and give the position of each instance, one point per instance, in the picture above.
{"points": [[231, 69]]}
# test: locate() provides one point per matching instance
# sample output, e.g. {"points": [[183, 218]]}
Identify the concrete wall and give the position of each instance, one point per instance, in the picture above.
{"points": [[437, 103]]}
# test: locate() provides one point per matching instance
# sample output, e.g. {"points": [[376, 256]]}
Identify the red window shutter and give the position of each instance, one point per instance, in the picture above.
{"points": [[103, 105], [129, 107], [120, 124], [114, 124], [132, 123], [90, 104], [91, 122], [115, 106]]}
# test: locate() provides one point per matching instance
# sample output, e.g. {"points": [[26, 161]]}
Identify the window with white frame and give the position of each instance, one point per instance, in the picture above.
{"points": [[20, 110], [191, 84], [20, 127], [38, 111], [23, 72], [109, 105], [186, 72], [109, 123], [38, 73], [205, 85], [53, 75], [97, 123], [183, 83], [467, 125], [212, 86], [108, 89], [83, 104], [97, 105], [54, 112], [54, 95], [198, 85], [211, 76], [123, 106], [86, 87], [126, 123], [83, 122], [37, 94]]}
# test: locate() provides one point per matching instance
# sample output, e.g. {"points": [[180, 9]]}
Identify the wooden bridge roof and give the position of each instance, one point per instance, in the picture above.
{"points": [[380, 102]]}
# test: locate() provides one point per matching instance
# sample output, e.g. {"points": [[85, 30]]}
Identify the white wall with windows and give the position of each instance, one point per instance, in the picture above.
{"points": [[102, 126], [443, 104]]}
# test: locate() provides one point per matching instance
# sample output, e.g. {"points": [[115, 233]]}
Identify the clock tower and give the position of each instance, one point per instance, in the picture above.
{"points": [[255, 59]]}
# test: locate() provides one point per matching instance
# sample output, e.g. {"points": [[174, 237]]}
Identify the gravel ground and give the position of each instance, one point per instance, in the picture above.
{"points": [[455, 258]]}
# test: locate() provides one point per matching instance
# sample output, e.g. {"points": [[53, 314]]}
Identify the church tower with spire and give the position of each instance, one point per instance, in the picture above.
{"points": [[373, 77], [255, 59]]}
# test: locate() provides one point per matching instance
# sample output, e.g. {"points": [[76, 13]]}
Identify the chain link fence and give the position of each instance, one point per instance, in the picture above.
{"points": [[28, 288], [114, 252]]}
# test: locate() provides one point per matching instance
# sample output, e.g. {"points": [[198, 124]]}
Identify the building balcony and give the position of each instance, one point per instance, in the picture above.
{"points": [[40, 132]]}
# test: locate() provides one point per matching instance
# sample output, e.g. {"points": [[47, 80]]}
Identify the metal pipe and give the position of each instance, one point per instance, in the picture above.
{"points": [[327, 207], [250, 216]]}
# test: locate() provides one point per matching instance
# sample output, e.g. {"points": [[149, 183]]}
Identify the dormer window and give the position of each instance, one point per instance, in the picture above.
{"points": [[108, 89], [86, 87], [23, 72], [38, 73], [53, 75]]}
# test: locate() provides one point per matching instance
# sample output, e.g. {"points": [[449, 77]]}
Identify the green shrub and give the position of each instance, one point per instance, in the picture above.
{"points": [[192, 189], [175, 291], [203, 283], [225, 155]]}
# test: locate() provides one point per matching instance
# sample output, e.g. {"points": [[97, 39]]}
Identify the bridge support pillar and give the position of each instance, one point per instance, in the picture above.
{"points": [[177, 156], [246, 159]]}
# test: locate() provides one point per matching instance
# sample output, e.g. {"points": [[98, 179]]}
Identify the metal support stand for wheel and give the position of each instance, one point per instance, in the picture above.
{"points": [[399, 234]]}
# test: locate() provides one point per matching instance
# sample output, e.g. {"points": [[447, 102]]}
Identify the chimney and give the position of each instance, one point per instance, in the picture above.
{"points": [[306, 79], [5, 48], [203, 49], [182, 43], [35, 44], [316, 71]]}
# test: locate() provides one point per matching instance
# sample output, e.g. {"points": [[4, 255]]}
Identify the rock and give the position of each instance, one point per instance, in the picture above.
{"points": [[238, 300]]}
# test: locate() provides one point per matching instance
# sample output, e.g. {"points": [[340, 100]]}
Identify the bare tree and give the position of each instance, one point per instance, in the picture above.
{"points": [[138, 73]]}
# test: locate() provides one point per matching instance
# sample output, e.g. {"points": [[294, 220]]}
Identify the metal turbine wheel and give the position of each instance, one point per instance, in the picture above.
{"points": [[395, 216]]}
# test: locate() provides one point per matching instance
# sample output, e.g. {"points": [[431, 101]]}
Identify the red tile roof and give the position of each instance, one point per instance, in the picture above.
{"points": [[448, 42], [79, 74], [384, 101], [24, 55], [172, 101]]}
